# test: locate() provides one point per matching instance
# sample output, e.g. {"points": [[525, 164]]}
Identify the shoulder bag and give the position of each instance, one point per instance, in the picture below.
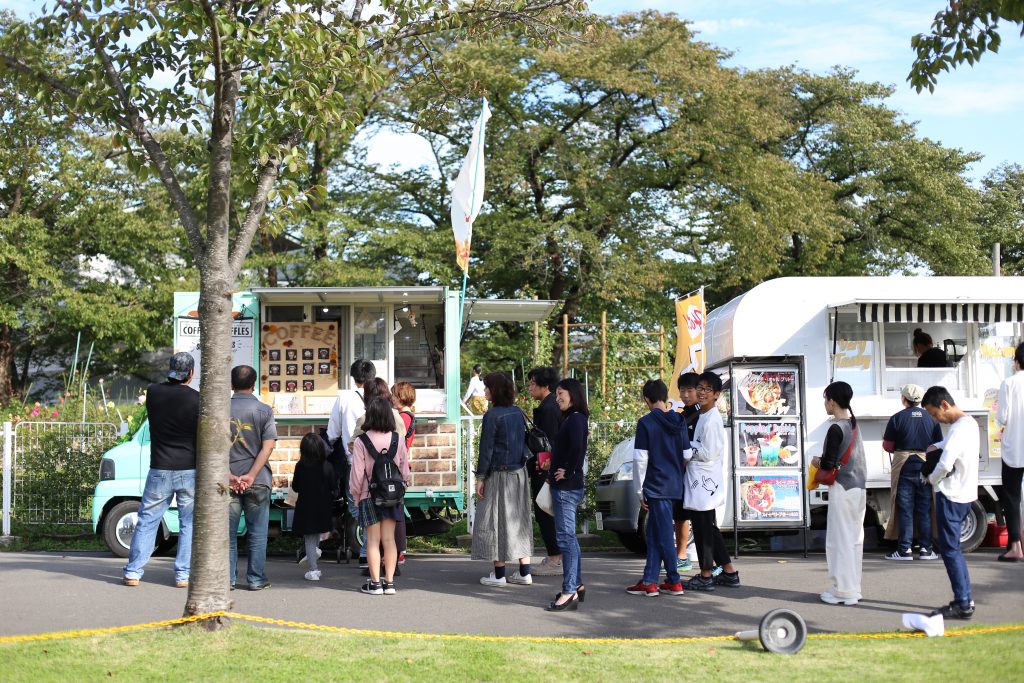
{"points": [[828, 477]]}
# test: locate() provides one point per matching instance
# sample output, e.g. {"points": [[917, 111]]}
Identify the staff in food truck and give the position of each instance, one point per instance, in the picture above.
{"points": [[928, 356]]}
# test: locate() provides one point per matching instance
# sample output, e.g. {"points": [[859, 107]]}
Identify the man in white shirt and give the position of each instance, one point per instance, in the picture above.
{"points": [[350, 405], [1010, 413], [955, 480]]}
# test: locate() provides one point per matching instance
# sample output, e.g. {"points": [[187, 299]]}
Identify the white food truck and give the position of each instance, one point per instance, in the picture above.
{"points": [[779, 345]]}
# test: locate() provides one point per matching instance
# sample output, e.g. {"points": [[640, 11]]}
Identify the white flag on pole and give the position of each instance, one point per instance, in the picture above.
{"points": [[468, 192]]}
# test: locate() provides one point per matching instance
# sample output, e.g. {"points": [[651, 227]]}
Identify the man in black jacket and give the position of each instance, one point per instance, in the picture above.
{"points": [[547, 417]]}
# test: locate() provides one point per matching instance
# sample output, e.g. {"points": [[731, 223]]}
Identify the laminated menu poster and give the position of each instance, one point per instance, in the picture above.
{"points": [[770, 498], [298, 362], [767, 444], [766, 392]]}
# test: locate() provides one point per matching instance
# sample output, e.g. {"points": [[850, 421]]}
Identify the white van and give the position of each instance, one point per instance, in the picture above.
{"points": [[858, 330]]}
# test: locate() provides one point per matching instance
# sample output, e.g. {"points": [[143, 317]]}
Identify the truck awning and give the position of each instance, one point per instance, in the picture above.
{"points": [[936, 312], [509, 310]]}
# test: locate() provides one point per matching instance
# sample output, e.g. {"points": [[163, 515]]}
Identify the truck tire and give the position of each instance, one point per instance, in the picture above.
{"points": [[974, 528], [635, 541], [119, 527]]}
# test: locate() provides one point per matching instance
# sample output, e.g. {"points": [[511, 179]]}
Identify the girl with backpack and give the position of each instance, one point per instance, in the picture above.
{"points": [[314, 481], [380, 470], [403, 397]]}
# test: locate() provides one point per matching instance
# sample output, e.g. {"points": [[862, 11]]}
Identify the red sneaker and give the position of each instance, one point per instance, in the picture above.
{"points": [[641, 588], [671, 588]]}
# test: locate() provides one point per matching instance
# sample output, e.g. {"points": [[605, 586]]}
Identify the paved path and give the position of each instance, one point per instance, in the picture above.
{"points": [[57, 591]]}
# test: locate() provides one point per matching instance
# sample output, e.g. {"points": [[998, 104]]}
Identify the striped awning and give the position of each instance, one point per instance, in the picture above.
{"points": [[879, 312]]}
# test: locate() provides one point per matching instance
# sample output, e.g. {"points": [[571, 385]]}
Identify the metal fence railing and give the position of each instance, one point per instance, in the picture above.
{"points": [[52, 469]]}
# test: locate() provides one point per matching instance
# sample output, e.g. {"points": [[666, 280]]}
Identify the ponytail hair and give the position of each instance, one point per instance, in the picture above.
{"points": [[841, 393]]}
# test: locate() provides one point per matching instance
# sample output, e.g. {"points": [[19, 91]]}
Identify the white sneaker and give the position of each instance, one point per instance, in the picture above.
{"points": [[312, 575], [303, 561], [833, 600], [516, 577], [547, 567], [930, 555], [490, 580]]}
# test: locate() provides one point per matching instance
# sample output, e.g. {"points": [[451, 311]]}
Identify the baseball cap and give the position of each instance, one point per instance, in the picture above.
{"points": [[912, 393], [181, 364]]}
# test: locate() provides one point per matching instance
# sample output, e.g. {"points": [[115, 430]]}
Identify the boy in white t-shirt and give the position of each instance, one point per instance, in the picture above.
{"points": [[955, 480]]}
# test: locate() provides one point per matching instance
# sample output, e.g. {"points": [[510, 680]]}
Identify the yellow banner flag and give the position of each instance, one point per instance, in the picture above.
{"points": [[691, 321]]}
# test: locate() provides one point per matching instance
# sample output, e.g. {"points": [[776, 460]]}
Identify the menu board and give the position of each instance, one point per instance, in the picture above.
{"points": [[767, 444], [770, 498], [766, 392], [298, 363]]}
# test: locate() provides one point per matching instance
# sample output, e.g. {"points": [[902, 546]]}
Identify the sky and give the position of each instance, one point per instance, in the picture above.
{"points": [[977, 109]]}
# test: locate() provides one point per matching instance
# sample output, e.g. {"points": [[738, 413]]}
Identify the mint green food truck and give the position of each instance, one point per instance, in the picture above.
{"points": [[302, 341]]}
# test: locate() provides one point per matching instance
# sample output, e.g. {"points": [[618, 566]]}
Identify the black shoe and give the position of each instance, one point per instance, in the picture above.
{"points": [[702, 583], [259, 587], [372, 588], [581, 593], [954, 611], [570, 605], [728, 579]]}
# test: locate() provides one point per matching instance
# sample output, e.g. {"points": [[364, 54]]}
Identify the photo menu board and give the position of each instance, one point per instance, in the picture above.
{"points": [[299, 366], [768, 458]]}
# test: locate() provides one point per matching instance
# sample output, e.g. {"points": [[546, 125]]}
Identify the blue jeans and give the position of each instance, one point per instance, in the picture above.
{"points": [[661, 545], [565, 504], [161, 487], [256, 502], [949, 519], [914, 500]]}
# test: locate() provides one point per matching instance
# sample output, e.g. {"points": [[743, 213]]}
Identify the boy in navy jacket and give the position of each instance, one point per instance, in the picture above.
{"points": [[660, 448]]}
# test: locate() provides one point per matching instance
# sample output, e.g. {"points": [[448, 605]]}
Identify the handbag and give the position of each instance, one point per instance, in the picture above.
{"points": [[536, 440], [828, 477], [544, 499]]}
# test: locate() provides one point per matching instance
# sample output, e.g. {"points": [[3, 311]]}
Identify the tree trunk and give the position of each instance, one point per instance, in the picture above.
{"points": [[7, 367]]}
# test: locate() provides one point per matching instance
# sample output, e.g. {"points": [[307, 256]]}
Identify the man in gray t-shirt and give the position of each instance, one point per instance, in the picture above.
{"points": [[253, 437]]}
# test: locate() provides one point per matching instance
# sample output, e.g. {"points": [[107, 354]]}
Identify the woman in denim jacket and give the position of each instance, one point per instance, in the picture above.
{"points": [[502, 528]]}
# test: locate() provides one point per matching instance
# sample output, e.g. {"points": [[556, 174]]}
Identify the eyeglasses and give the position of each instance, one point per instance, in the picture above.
{"points": [[704, 390]]}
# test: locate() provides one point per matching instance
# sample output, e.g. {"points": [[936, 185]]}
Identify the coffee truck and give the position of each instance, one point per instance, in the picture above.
{"points": [[302, 341], [779, 345]]}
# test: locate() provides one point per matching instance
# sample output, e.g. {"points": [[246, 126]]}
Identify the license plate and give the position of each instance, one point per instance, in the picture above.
{"points": [[599, 518]]}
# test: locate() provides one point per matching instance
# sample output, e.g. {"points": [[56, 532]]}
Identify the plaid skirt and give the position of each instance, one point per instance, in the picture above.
{"points": [[503, 528], [370, 514]]}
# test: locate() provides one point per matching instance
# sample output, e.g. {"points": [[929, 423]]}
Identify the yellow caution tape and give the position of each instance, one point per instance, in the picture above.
{"points": [[467, 637]]}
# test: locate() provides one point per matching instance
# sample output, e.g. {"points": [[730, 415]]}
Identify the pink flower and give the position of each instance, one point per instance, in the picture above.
{"points": [[34, 413], [53, 414]]}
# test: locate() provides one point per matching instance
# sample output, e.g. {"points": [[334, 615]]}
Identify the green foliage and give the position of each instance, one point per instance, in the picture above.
{"points": [[962, 32], [1001, 217]]}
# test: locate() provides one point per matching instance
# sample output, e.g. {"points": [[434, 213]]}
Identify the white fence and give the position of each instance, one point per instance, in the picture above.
{"points": [[48, 470]]}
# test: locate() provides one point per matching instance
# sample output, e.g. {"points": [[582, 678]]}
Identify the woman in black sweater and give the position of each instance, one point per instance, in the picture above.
{"points": [[568, 452]]}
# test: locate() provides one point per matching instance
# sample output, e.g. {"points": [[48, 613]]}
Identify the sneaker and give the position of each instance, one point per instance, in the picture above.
{"points": [[641, 588], [259, 586], [833, 600], [671, 588], [684, 565], [547, 567], [728, 579], [372, 588], [928, 554], [900, 555], [401, 558], [701, 583], [490, 580], [388, 586], [363, 564], [312, 575], [517, 578], [181, 584], [303, 561], [954, 611], [130, 582]]}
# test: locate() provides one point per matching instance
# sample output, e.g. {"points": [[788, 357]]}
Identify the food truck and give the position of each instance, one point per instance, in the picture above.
{"points": [[779, 345], [302, 341]]}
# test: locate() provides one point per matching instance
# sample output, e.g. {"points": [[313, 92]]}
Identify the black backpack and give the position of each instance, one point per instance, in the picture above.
{"points": [[387, 488]]}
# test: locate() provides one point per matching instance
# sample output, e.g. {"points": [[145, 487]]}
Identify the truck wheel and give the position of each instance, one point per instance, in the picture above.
{"points": [[974, 528], [635, 542], [119, 527]]}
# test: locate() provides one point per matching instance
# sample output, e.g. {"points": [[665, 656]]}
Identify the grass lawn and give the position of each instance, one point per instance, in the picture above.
{"points": [[189, 654]]}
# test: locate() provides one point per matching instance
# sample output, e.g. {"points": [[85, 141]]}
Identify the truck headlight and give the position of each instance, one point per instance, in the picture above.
{"points": [[625, 472], [106, 469]]}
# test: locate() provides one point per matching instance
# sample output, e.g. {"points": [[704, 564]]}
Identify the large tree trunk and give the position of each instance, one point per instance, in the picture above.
{"points": [[7, 367]]}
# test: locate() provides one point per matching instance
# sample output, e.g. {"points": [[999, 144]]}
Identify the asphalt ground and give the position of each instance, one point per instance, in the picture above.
{"points": [[52, 591]]}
